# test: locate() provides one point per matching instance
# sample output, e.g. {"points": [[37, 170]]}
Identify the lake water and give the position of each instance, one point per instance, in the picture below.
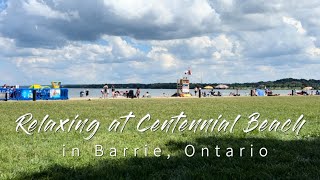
{"points": [[75, 92]]}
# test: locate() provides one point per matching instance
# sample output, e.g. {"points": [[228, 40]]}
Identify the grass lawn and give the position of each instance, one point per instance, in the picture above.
{"points": [[40, 156]]}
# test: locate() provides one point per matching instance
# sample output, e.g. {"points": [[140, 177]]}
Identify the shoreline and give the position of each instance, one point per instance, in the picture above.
{"points": [[154, 97]]}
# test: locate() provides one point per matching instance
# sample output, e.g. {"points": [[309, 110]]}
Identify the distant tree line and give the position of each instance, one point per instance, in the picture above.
{"points": [[288, 83]]}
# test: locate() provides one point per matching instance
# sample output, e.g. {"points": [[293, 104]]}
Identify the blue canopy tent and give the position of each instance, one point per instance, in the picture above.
{"points": [[260, 92]]}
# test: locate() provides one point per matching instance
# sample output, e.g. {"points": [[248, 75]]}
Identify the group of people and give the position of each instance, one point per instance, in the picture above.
{"points": [[105, 91], [304, 92], [86, 92], [212, 93], [129, 94], [11, 90], [197, 91]]}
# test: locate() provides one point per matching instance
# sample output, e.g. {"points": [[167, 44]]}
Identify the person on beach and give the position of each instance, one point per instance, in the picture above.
{"points": [[113, 91], [147, 95], [105, 91], [102, 93], [195, 91], [138, 93], [87, 92], [219, 93], [81, 93]]}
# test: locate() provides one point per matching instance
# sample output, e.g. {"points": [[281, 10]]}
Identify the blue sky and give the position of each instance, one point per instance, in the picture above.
{"points": [[120, 41], [3, 4]]}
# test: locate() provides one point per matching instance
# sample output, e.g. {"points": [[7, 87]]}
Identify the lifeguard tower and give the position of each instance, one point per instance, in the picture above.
{"points": [[183, 85], [183, 88]]}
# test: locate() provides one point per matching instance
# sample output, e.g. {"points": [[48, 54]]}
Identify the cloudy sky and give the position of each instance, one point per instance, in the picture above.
{"points": [[148, 41]]}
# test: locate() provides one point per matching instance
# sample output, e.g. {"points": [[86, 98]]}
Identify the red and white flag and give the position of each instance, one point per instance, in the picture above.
{"points": [[188, 72]]}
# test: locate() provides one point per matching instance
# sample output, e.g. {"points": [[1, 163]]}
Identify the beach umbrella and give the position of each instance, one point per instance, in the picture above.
{"points": [[307, 88], [208, 87], [222, 86], [45, 87], [35, 86]]}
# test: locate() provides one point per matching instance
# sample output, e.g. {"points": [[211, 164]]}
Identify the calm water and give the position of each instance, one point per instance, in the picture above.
{"points": [[75, 92]]}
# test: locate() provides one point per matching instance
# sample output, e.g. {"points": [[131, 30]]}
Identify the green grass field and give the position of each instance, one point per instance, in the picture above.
{"points": [[39, 156]]}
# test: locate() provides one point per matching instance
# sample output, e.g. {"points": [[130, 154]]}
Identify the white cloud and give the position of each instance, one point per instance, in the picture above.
{"points": [[39, 8], [120, 48], [200, 47], [74, 20], [295, 23], [163, 58], [314, 51]]}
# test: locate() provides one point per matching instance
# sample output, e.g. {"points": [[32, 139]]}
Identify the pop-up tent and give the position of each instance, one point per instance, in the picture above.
{"points": [[260, 92]]}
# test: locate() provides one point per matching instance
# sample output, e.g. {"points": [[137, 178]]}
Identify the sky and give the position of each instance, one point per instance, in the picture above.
{"points": [[150, 41]]}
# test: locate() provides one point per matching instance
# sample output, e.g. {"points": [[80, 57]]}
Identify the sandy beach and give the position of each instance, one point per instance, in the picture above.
{"points": [[162, 97]]}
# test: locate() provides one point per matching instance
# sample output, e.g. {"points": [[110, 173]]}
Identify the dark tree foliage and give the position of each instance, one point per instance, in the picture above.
{"points": [[288, 83]]}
